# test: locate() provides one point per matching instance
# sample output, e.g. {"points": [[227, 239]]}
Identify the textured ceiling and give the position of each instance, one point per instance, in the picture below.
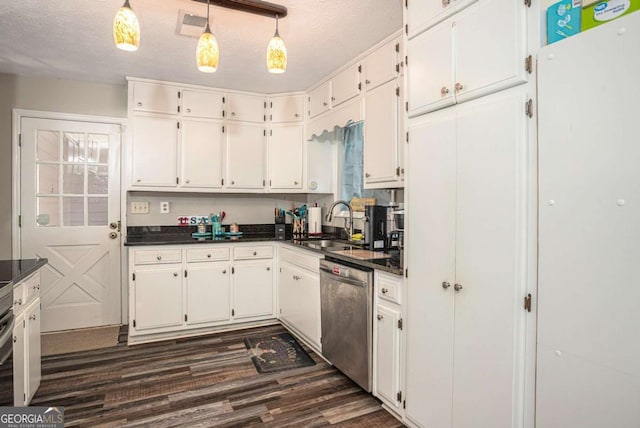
{"points": [[72, 39]]}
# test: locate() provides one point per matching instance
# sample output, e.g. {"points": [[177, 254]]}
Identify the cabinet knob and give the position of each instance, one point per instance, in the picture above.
{"points": [[255, 253], [367, 81], [233, 182], [159, 257], [138, 180], [385, 290], [187, 181], [224, 271], [268, 268], [445, 3], [333, 98], [188, 110], [444, 91], [208, 256], [457, 287], [295, 183], [139, 104], [32, 317], [175, 274], [325, 104], [367, 175], [380, 317], [15, 339], [233, 113], [446, 285], [18, 302], [296, 115], [459, 87]]}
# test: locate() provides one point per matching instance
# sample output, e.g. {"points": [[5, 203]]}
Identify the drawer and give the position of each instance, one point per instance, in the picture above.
{"points": [[207, 254], [389, 287], [147, 257], [32, 287], [254, 252], [300, 258]]}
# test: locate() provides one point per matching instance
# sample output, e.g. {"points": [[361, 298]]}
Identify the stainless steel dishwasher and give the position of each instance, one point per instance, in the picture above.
{"points": [[346, 299]]}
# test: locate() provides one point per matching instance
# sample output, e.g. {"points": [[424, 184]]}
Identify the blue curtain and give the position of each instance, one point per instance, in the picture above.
{"points": [[352, 167]]}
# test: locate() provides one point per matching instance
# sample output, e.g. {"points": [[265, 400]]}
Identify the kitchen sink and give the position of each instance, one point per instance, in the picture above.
{"points": [[327, 244]]}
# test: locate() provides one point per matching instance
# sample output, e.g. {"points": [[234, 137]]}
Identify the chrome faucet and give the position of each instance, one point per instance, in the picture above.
{"points": [[348, 228]]}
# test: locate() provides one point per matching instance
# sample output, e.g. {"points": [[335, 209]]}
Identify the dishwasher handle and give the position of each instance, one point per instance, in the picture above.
{"points": [[346, 280]]}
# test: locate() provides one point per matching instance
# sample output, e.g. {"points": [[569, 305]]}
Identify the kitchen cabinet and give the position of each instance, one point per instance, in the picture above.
{"points": [[34, 354], [207, 292], [246, 156], [286, 109], [381, 132], [20, 362], [202, 146], [320, 99], [346, 85], [154, 98], [252, 289], [468, 256], [286, 156], [469, 55], [246, 108], [157, 297], [299, 294], [202, 104], [423, 14], [382, 65], [154, 151], [387, 331]]}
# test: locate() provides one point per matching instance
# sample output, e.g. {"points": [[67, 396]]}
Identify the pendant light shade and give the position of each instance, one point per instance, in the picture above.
{"points": [[276, 53], [126, 30], [207, 53]]}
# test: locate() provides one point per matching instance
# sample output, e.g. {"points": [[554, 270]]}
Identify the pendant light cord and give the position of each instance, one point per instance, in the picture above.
{"points": [[277, 34], [208, 7]]}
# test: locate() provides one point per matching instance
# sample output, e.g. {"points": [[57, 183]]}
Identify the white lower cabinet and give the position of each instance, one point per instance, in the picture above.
{"points": [[387, 333], [207, 293], [252, 289], [157, 297]]}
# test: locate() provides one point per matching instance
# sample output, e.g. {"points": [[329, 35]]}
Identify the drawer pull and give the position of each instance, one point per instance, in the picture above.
{"points": [[380, 317], [385, 290], [139, 104], [15, 339], [18, 302], [159, 257], [255, 253], [32, 317], [175, 274], [268, 268], [188, 110], [224, 271], [208, 256]]}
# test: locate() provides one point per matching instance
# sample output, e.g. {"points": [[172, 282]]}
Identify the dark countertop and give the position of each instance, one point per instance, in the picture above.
{"points": [[14, 271]]}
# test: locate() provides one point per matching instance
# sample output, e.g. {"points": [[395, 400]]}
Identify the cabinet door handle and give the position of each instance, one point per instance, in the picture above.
{"points": [[139, 104], [32, 317], [175, 274], [233, 113], [444, 91], [159, 257], [224, 272], [295, 183], [445, 3], [18, 302], [138, 180], [446, 285], [255, 253], [380, 317], [15, 339], [233, 182], [367, 175], [268, 268], [296, 115], [459, 87], [333, 98], [385, 290], [367, 81], [208, 256], [325, 104], [457, 287], [188, 110], [187, 181]]}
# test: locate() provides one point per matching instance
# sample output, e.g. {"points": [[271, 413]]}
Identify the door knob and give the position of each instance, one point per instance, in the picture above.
{"points": [[113, 225], [457, 287], [446, 285], [113, 235]]}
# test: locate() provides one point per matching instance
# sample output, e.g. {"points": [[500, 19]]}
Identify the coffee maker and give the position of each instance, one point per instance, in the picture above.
{"points": [[375, 227], [396, 235]]}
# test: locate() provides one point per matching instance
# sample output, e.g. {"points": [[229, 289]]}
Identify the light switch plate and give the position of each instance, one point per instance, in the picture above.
{"points": [[139, 207], [164, 207]]}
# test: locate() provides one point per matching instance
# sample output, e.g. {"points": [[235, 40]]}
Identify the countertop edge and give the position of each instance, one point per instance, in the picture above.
{"points": [[23, 274]]}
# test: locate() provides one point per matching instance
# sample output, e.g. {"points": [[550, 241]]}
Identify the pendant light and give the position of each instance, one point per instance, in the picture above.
{"points": [[126, 30], [276, 53], [207, 53]]}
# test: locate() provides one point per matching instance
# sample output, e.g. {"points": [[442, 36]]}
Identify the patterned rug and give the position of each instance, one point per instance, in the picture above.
{"points": [[277, 352]]}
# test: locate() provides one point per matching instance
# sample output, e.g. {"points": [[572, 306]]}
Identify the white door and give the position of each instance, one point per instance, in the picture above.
{"points": [[246, 108], [387, 354], [208, 294], [382, 65], [154, 151], [246, 160], [425, 13], [285, 156], [286, 109], [345, 85], [202, 146], [319, 99], [70, 202], [381, 135], [158, 297], [202, 104], [253, 289]]}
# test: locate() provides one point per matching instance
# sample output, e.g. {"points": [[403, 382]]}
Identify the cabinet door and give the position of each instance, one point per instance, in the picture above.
{"points": [[202, 154], [286, 109], [424, 14], [345, 85], [158, 297], [19, 362], [490, 247], [202, 104], [208, 293], [430, 70], [430, 255], [382, 65], [246, 108], [155, 98], [34, 375], [154, 151], [387, 354], [300, 301], [381, 135], [319, 99], [253, 289], [246, 156], [490, 47], [285, 156]]}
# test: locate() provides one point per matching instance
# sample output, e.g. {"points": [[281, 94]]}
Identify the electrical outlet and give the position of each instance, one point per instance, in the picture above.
{"points": [[164, 207], [139, 207]]}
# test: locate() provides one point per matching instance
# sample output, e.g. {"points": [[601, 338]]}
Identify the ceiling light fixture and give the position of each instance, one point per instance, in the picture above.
{"points": [[207, 53], [126, 30], [276, 53]]}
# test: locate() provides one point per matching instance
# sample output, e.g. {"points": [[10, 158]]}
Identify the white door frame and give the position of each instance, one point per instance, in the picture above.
{"points": [[16, 245]]}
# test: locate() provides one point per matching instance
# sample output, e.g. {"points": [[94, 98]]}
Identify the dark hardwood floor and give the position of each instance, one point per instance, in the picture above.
{"points": [[200, 382]]}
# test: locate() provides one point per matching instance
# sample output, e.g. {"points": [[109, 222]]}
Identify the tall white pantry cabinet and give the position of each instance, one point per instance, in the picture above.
{"points": [[471, 222]]}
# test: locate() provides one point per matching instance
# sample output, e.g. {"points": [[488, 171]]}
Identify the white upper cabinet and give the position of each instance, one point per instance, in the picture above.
{"points": [[345, 85], [423, 14], [154, 152], [382, 65], [471, 54], [246, 159], [286, 109], [155, 98], [319, 99], [202, 104], [202, 154], [286, 157], [246, 108]]}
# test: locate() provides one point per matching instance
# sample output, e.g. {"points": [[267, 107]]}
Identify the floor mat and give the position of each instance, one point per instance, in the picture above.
{"points": [[277, 352], [84, 339]]}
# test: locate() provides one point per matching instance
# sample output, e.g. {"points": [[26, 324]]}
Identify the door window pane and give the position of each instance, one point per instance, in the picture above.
{"points": [[48, 179], [48, 145], [73, 179], [73, 211], [98, 148], [73, 147], [98, 211], [47, 211], [98, 180]]}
